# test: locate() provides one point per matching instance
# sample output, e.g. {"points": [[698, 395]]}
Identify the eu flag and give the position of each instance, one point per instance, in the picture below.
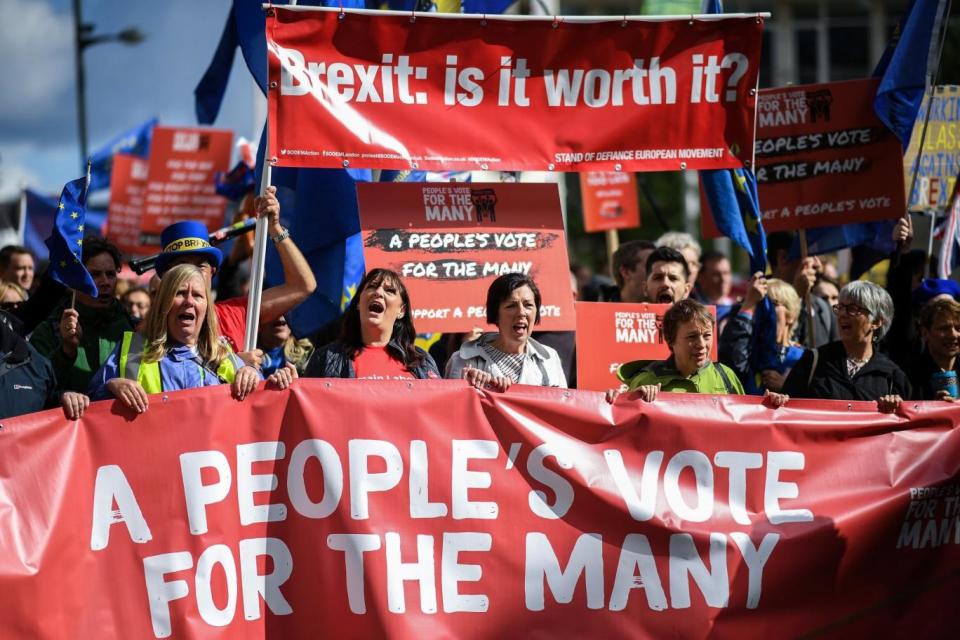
{"points": [[66, 240], [907, 67], [731, 195]]}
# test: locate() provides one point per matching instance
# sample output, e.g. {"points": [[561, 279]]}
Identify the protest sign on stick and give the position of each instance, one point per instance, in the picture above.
{"points": [[449, 241], [823, 158], [609, 200], [128, 182], [180, 185], [615, 333], [396, 91]]}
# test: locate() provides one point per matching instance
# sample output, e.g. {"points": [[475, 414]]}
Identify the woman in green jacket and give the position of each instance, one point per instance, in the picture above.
{"points": [[688, 331]]}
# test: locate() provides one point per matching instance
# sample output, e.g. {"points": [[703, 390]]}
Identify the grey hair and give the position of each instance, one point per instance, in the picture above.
{"points": [[679, 241], [874, 299]]}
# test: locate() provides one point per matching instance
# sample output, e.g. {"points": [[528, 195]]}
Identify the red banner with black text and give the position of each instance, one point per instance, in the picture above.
{"points": [[396, 91], [355, 510]]}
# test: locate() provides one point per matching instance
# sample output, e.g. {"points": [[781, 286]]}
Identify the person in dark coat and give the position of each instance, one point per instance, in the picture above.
{"points": [[940, 330], [852, 368], [377, 337], [27, 381]]}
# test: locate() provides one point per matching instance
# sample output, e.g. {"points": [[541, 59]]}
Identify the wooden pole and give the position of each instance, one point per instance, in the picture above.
{"points": [[808, 297], [613, 243]]}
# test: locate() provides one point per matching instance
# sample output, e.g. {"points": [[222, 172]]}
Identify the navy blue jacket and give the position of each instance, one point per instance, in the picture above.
{"points": [[27, 381]]}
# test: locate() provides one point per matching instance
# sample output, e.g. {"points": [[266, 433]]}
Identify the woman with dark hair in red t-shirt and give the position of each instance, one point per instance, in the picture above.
{"points": [[377, 336]]}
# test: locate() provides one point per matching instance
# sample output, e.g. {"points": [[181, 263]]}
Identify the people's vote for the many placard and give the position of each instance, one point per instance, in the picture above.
{"points": [[449, 241]]}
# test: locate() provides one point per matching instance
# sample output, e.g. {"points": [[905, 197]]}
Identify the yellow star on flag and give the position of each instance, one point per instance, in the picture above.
{"points": [[347, 295], [80, 241], [74, 215], [63, 263], [80, 228], [60, 206]]}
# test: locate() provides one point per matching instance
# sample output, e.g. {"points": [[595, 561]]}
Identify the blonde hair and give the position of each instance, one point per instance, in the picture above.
{"points": [[6, 285], [783, 293], [212, 350]]}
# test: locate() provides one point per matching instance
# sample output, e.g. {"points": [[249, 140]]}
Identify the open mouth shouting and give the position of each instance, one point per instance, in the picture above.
{"points": [[665, 296], [187, 316], [520, 328], [376, 306]]}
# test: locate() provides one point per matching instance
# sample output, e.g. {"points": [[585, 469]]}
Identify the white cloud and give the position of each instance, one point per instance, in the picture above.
{"points": [[43, 169], [37, 52]]}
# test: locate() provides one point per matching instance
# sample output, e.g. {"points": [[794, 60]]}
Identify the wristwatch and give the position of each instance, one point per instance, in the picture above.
{"points": [[280, 237]]}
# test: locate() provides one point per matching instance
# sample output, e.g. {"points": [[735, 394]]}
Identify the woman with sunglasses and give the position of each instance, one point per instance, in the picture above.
{"points": [[852, 368]]}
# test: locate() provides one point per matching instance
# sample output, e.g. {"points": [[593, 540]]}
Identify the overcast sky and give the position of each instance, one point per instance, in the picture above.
{"points": [[39, 144]]}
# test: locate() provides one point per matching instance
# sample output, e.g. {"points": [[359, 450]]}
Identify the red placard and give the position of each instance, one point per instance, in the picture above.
{"points": [[395, 92], [823, 158], [351, 509], [609, 200], [128, 182], [449, 241], [619, 332], [183, 162]]}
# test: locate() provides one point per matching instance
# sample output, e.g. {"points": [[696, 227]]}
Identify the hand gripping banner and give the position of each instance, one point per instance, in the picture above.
{"points": [[400, 91], [351, 509]]}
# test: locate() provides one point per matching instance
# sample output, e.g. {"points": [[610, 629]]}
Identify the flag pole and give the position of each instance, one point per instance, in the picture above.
{"points": [[808, 296], [259, 254], [86, 189], [613, 243], [923, 136], [22, 226]]}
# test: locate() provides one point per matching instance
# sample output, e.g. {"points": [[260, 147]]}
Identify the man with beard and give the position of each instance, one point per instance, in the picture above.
{"points": [[667, 276]]}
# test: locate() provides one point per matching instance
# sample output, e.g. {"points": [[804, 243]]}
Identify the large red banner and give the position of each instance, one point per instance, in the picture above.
{"points": [[347, 509], [824, 158], [449, 241], [617, 333], [438, 93], [183, 162]]}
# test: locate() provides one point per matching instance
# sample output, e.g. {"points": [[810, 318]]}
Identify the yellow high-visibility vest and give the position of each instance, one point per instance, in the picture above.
{"points": [[147, 374]]}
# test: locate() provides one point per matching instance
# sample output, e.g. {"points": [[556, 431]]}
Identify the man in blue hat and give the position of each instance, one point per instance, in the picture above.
{"points": [[186, 242]]}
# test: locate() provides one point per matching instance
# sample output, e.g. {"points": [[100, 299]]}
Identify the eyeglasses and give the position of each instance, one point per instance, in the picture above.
{"points": [[852, 310]]}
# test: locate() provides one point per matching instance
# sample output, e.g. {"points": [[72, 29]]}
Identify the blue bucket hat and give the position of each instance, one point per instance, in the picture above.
{"points": [[930, 288], [188, 237]]}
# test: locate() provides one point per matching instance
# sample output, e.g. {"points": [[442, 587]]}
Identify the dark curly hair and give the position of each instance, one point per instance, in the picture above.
{"points": [[94, 246], [404, 332]]}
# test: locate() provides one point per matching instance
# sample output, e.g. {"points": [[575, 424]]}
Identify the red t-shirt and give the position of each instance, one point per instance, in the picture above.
{"points": [[374, 363], [232, 318]]}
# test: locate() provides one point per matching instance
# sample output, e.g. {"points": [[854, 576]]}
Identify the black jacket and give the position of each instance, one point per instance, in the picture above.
{"points": [[27, 381], [920, 372], [879, 377], [735, 343], [333, 361]]}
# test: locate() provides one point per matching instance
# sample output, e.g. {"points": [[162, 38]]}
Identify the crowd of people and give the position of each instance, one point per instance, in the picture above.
{"points": [[856, 341]]}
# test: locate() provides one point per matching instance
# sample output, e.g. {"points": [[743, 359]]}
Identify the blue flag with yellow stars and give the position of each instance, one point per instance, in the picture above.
{"points": [[66, 240]]}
